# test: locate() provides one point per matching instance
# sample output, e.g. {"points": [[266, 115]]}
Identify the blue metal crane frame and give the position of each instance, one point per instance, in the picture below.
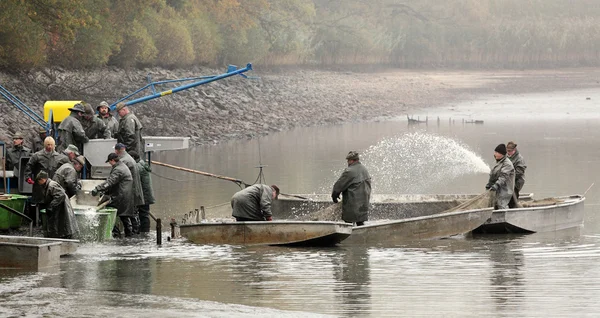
{"points": [[231, 71]]}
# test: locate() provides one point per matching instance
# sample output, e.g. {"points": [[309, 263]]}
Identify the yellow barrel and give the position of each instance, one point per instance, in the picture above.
{"points": [[60, 109]]}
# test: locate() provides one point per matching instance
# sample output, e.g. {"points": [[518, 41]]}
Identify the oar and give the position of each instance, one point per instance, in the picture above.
{"points": [[588, 189], [212, 175], [207, 174]]}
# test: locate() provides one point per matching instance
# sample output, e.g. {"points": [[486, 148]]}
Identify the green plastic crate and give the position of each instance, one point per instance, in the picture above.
{"points": [[94, 226], [10, 220]]}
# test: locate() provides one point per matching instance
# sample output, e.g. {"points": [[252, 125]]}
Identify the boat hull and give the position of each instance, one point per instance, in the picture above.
{"points": [[290, 233], [566, 215], [419, 228]]}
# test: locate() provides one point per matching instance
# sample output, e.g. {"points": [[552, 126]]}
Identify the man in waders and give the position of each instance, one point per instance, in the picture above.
{"points": [[502, 178], [355, 187], [254, 203], [519, 165]]}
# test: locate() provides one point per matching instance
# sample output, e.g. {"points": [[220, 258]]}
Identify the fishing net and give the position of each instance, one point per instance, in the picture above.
{"points": [[334, 211], [482, 201], [330, 213]]}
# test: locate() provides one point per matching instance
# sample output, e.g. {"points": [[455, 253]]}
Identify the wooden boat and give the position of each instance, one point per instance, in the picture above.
{"points": [[558, 213], [435, 226], [291, 233]]}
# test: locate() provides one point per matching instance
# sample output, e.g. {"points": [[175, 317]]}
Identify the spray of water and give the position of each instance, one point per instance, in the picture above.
{"points": [[413, 162]]}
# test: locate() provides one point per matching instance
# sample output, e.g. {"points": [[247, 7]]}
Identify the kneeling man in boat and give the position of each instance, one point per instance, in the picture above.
{"points": [[254, 203], [502, 178], [355, 187]]}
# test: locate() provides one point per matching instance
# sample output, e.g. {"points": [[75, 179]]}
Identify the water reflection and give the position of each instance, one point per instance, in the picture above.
{"points": [[351, 270], [506, 276]]}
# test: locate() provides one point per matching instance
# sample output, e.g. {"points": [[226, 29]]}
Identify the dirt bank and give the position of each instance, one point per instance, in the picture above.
{"points": [[241, 108]]}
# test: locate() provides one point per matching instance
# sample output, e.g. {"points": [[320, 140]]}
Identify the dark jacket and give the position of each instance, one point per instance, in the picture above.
{"points": [[355, 186], [146, 181], [130, 133], [519, 165], [66, 176], [111, 123], [70, 132], [253, 202], [13, 156], [119, 185], [138, 193], [37, 143], [502, 180], [60, 217], [41, 160], [96, 129]]}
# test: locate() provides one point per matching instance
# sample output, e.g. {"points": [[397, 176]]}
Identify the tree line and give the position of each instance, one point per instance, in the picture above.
{"points": [[415, 34]]}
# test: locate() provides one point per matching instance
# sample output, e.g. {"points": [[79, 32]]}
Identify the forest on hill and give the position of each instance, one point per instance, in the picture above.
{"points": [[87, 34]]}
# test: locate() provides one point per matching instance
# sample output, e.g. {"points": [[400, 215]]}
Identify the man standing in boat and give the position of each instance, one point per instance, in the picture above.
{"points": [[355, 187], [254, 203], [519, 165], [502, 178]]}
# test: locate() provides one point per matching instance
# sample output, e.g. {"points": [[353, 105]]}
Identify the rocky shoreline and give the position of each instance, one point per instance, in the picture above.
{"points": [[236, 108]]}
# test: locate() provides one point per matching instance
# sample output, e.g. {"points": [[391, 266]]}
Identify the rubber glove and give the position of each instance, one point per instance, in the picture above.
{"points": [[29, 180]]}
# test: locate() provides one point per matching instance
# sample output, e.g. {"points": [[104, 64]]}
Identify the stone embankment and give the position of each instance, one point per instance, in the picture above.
{"points": [[235, 107]]}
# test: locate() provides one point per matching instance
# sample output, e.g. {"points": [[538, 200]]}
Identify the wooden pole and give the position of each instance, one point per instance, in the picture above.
{"points": [[199, 172], [158, 232]]}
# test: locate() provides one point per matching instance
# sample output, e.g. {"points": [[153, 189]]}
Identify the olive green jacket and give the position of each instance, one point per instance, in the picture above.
{"points": [[355, 186]]}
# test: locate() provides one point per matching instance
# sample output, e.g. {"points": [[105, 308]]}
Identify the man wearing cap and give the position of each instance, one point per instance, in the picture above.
{"points": [[67, 175], [107, 118], [47, 160], [60, 218], [254, 203], [502, 178], [37, 142], [71, 152], [130, 129], [519, 164], [355, 187], [94, 127], [14, 154], [119, 185], [70, 131]]}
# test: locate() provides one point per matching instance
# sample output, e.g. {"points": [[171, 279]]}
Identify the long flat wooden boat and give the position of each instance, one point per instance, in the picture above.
{"points": [[290, 233], [559, 213], [427, 227]]}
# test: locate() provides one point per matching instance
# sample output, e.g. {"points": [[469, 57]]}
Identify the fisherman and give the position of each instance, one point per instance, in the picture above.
{"points": [[502, 178], [130, 129], [37, 142], [138, 193], [519, 165], [107, 118], [47, 160], [146, 181], [119, 185], [60, 218], [254, 203], [15, 153], [71, 152], [355, 187], [67, 175], [94, 127], [70, 130]]}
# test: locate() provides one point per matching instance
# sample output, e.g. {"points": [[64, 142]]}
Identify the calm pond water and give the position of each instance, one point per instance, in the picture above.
{"points": [[537, 275]]}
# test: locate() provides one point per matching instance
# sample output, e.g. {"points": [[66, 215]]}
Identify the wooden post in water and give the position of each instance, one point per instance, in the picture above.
{"points": [[158, 231], [203, 212]]}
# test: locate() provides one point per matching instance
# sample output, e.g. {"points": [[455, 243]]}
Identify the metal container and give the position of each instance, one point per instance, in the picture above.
{"points": [[156, 143], [96, 151]]}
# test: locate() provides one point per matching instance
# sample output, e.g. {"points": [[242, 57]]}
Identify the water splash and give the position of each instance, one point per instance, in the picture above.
{"points": [[412, 163]]}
